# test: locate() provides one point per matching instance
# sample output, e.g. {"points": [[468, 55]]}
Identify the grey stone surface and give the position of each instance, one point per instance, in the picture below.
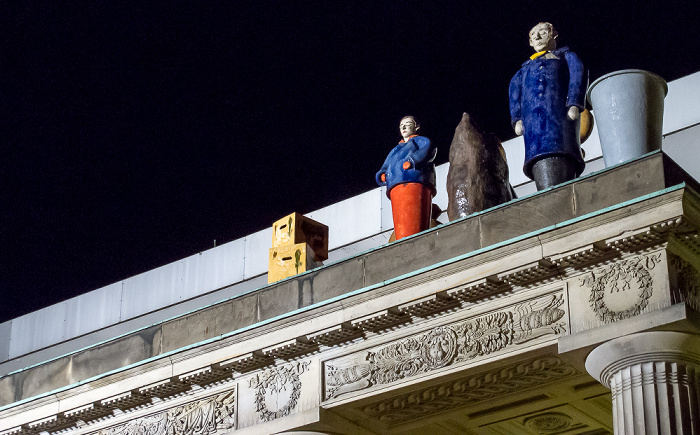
{"points": [[83, 365], [115, 354], [450, 240], [279, 298], [211, 322], [652, 361], [7, 390], [328, 282], [42, 379], [128, 326], [406, 255], [619, 184], [678, 317], [527, 215]]}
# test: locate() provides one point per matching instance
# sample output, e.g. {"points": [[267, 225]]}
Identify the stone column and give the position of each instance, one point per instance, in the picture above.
{"points": [[654, 378]]}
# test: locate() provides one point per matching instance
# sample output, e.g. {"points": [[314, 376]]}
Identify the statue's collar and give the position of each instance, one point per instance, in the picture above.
{"points": [[555, 52], [409, 138]]}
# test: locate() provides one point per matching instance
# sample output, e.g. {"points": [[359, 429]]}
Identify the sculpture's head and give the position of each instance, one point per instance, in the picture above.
{"points": [[408, 126], [543, 37]]}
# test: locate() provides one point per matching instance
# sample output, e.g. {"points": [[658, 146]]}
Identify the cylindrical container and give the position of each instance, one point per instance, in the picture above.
{"points": [[629, 110]]}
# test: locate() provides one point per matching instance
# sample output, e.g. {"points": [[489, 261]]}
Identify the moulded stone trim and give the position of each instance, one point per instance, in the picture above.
{"points": [[290, 349], [581, 257], [668, 346], [335, 335], [466, 340], [382, 320], [172, 387], [206, 376], [430, 305], [247, 362], [474, 388], [208, 416]]}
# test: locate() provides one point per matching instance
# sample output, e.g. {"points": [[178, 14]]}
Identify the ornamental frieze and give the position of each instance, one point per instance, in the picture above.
{"points": [[476, 388], [446, 345], [210, 416]]}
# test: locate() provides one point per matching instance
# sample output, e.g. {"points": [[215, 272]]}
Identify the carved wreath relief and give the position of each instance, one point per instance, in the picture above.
{"points": [[210, 416], [621, 290], [278, 390], [447, 345]]}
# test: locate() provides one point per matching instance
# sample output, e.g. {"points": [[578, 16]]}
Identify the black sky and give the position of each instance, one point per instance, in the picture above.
{"points": [[136, 133]]}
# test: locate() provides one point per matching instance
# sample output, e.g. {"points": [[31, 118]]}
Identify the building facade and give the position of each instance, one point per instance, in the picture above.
{"points": [[572, 310]]}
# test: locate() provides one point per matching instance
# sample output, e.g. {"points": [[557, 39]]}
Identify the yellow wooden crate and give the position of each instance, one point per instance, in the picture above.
{"points": [[296, 228], [286, 261]]}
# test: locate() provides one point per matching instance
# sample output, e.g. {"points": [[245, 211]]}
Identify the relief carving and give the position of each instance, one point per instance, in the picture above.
{"points": [[278, 390], [686, 282], [550, 422], [486, 335], [210, 416], [622, 289], [446, 345], [472, 389]]}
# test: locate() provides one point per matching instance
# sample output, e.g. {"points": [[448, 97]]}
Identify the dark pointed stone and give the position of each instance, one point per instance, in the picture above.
{"points": [[478, 174]]}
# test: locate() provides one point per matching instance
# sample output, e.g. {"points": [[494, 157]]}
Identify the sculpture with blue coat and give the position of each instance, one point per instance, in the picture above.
{"points": [[546, 98], [409, 176]]}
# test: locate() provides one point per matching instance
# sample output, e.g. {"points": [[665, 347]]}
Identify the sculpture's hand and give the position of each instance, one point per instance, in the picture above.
{"points": [[519, 127], [383, 178], [407, 165], [573, 113]]}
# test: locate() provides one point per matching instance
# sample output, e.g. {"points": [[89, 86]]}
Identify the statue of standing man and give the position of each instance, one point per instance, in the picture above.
{"points": [[409, 176], [546, 98]]}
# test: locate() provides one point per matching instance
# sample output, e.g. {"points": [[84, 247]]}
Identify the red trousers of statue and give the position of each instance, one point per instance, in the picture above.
{"points": [[411, 204]]}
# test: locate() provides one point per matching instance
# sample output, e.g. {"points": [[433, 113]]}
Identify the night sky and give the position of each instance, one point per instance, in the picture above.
{"points": [[137, 133]]}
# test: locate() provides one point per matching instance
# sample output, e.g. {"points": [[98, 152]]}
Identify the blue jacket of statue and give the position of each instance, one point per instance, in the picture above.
{"points": [[540, 95], [420, 152]]}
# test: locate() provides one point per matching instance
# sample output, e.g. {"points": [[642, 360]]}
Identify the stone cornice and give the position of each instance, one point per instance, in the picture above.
{"points": [[446, 301]]}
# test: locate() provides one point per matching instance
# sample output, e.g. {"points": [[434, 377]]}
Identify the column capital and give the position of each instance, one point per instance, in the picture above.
{"points": [[667, 346]]}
